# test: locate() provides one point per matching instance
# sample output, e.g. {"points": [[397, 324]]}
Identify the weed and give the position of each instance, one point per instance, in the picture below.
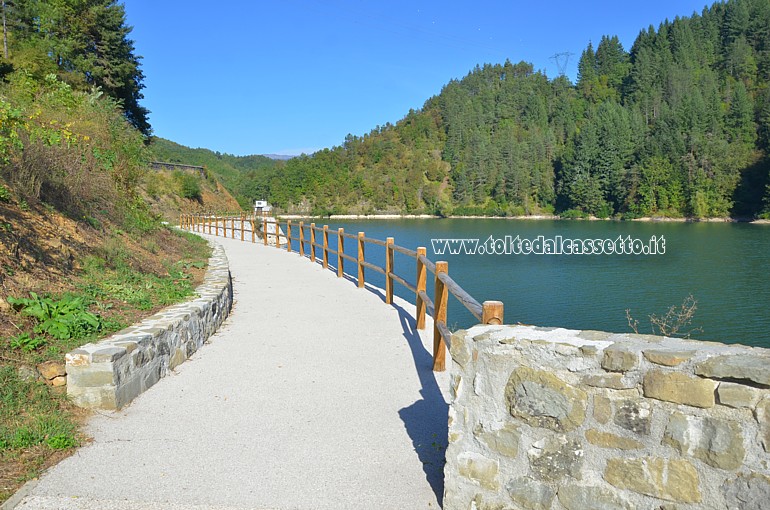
{"points": [[27, 343], [31, 415], [5, 194], [93, 222], [673, 323], [61, 441], [62, 319]]}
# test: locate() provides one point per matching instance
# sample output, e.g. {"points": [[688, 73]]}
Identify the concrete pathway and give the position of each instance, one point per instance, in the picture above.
{"points": [[313, 395]]}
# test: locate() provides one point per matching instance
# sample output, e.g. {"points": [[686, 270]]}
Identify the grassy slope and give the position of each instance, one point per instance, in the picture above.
{"points": [[122, 274]]}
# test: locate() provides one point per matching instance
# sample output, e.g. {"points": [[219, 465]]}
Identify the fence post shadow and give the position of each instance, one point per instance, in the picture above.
{"points": [[426, 421]]}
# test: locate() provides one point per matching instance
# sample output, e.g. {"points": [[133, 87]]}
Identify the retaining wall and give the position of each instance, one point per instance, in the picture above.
{"points": [[111, 373], [561, 419]]}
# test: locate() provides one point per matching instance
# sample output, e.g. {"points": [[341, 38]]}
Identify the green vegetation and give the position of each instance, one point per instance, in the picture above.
{"points": [[31, 416], [109, 294], [677, 126], [82, 254], [237, 173], [61, 319], [84, 44], [189, 185]]}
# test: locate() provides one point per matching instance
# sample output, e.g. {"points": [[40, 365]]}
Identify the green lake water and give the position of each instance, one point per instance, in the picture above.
{"points": [[723, 265]]}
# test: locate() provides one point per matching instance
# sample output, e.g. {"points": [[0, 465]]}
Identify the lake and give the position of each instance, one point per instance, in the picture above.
{"points": [[724, 266]]}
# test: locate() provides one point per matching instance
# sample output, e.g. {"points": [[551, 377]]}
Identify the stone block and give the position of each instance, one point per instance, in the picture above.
{"points": [[485, 504], [718, 443], [619, 359], [634, 415], [602, 409], [480, 469], [459, 349], [504, 441], [92, 375], [750, 491], [738, 396], [609, 440], [555, 458], [754, 368], [58, 381], [51, 369], [541, 399], [576, 497], [530, 494], [177, 358], [762, 415], [668, 358], [94, 397], [612, 381], [107, 354], [78, 357], [679, 388], [670, 479]]}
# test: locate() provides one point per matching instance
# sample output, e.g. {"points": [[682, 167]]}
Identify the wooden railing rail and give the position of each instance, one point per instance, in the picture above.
{"points": [[488, 312]]}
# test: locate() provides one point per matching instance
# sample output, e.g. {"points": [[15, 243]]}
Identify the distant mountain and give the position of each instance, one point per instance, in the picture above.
{"points": [[279, 157]]}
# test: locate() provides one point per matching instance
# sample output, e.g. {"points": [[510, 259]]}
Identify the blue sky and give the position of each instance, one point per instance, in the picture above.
{"points": [[292, 76]]}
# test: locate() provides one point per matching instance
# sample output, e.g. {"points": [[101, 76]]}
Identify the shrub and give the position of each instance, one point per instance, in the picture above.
{"points": [[189, 186], [573, 214], [61, 319]]}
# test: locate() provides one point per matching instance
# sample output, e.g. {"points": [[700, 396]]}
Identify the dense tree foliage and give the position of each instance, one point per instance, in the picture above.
{"points": [[85, 43], [677, 125]]}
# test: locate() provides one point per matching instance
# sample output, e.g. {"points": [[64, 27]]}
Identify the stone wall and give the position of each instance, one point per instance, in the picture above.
{"points": [[111, 373], [560, 419]]}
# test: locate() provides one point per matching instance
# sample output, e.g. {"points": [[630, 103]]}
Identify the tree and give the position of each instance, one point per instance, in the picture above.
{"points": [[87, 43]]}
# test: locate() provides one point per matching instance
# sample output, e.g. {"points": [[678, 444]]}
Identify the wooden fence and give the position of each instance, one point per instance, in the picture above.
{"points": [[310, 238]]}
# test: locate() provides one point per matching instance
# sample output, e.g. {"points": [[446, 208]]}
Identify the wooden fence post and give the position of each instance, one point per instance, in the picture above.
{"points": [[277, 233], [252, 219], [440, 297], [301, 239], [340, 250], [216, 224], [388, 270], [492, 312], [243, 224], [264, 229], [232, 226], [361, 281], [312, 242], [419, 304], [288, 236], [326, 246]]}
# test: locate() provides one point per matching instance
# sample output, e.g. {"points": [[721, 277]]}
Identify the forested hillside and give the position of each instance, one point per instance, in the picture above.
{"points": [[679, 125], [235, 172]]}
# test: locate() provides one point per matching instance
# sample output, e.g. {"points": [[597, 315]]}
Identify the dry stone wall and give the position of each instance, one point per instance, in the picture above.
{"points": [[546, 418], [111, 373]]}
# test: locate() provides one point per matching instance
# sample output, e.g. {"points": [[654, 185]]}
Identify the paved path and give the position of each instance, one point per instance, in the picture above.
{"points": [[313, 395]]}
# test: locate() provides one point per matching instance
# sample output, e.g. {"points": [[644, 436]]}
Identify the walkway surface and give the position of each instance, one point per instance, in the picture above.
{"points": [[313, 395]]}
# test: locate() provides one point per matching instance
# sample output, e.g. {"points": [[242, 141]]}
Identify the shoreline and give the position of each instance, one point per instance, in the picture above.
{"points": [[646, 219]]}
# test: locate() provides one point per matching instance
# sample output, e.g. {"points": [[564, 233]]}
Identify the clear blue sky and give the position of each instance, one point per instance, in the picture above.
{"points": [[291, 76]]}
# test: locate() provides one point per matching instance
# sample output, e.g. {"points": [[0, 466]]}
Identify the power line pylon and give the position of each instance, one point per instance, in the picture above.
{"points": [[562, 59]]}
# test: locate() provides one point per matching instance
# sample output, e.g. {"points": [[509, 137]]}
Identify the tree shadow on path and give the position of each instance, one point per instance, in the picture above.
{"points": [[426, 420]]}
